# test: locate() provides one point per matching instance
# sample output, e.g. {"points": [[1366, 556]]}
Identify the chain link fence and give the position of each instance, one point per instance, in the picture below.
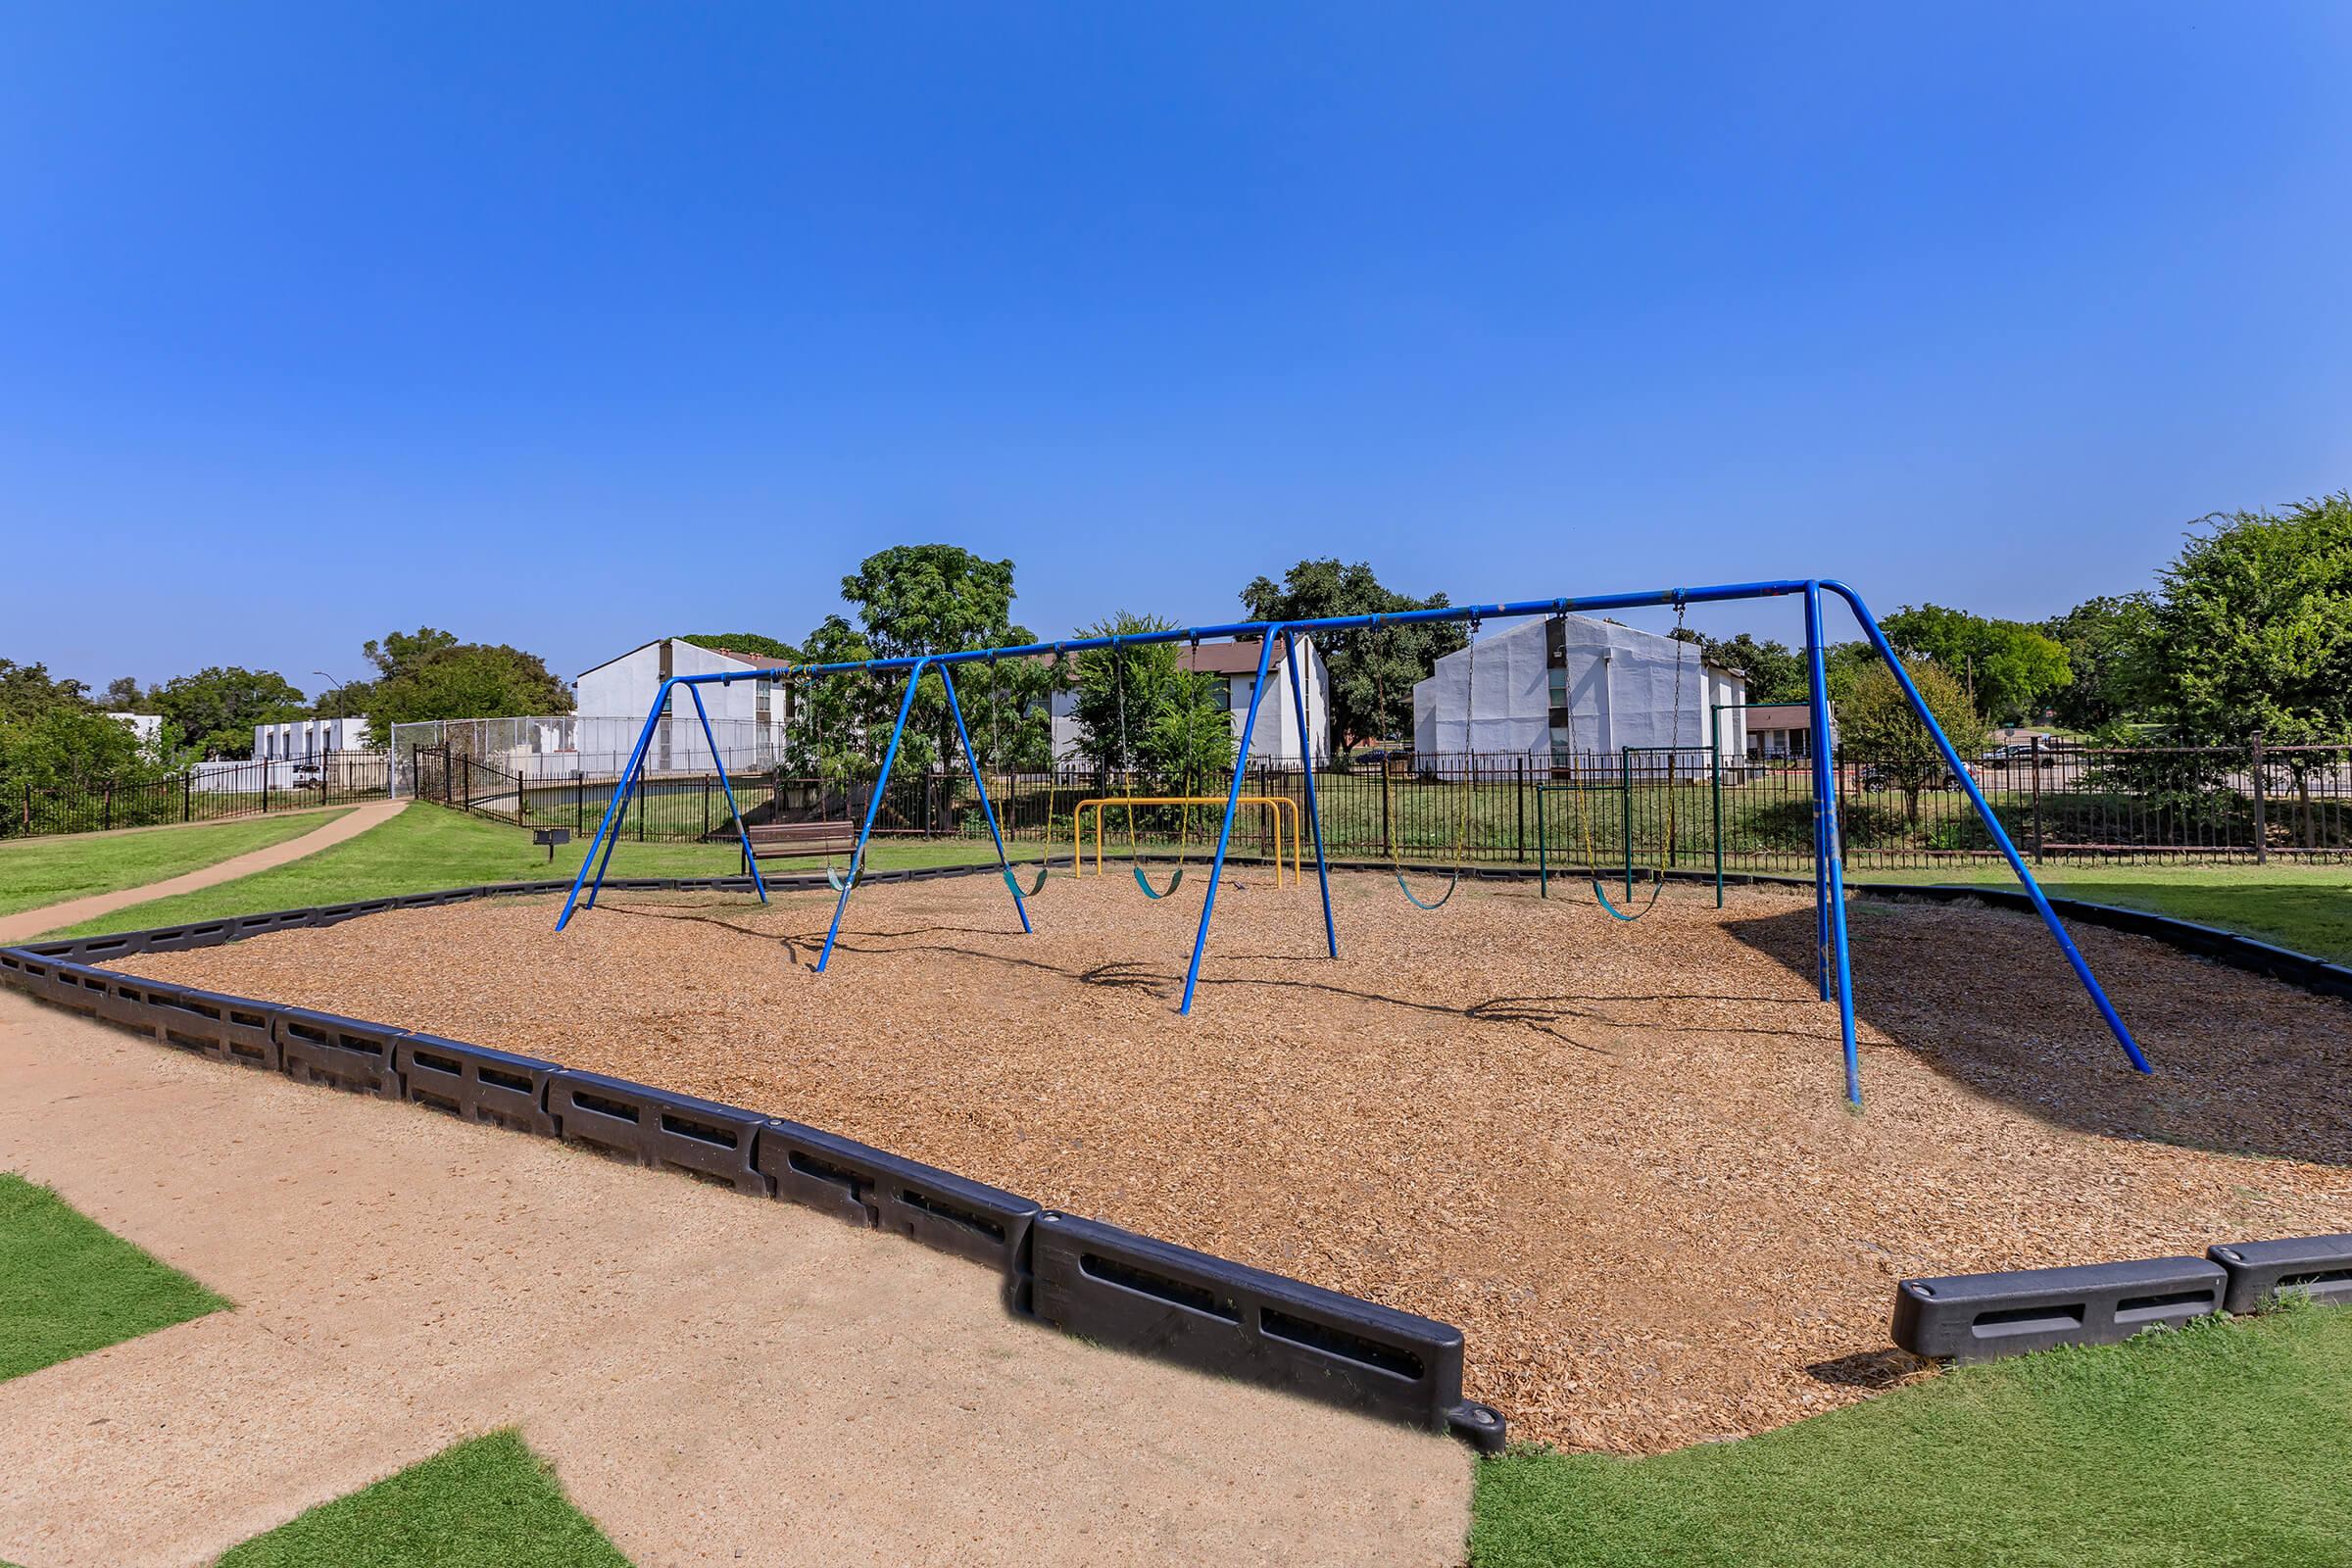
{"points": [[557, 747]]}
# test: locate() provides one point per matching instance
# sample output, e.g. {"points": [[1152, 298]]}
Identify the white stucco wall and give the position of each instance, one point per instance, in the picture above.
{"points": [[625, 689], [308, 737], [1275, 739], [1621, 686], [148, 727]]}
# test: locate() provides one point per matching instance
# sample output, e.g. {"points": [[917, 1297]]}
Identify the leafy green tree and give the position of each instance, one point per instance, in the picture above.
{"points": [[839, 723], [2251, 634], [401, 652], [26, 690], [125, 695], [467, 682], [748, 642], [2105, 641], [429, 674], [1844, 663], [939, 598], [1877, 728], [50, 758], [1776, 672], [2011, 668], [218, 706], [2253, 630], [458, 680], [1368, 668], [1144, 717], [931, 598]]}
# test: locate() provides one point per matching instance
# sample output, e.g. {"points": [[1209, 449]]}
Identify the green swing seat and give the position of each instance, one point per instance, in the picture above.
{"points": [[1150, 892]]}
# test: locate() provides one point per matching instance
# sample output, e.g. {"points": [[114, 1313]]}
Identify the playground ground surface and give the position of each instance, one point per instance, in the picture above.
{"points": [[1614, 1154]]}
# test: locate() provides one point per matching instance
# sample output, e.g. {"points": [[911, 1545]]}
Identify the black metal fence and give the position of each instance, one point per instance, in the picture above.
{"points": [[1653, 805], [206, 793]]}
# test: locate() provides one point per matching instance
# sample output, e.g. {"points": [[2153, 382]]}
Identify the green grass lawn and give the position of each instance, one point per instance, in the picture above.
{"points": [[428, 846], [2307, 907], [487, 1503], [2223, 1442], [68, 1285], [38, 871]]}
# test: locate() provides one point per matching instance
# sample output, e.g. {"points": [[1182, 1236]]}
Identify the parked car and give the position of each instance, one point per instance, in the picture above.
{"points": [[2026, 756], [309, 771], [1873, 778]]}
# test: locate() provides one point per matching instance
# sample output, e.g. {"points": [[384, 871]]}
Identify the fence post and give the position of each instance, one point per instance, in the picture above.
{"points": [[1715, 790], [705, 806], [579, 804], [1388, 841], [105, 807], [1625, 782], [2038, 800], [1519, 796], [187, 796], [2262, 827]]}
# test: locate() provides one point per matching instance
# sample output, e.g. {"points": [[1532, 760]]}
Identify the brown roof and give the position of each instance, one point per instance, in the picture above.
{"points": [[756, 660], [1781, 716], [1225, 658]]}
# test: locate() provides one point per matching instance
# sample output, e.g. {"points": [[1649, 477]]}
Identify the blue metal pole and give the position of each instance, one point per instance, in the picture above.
{"points": [[1306, 758], [873, 804], [986, 809], [742, 831], [1820, 748], [1992, 826], [1832, 865], [1233, 795], [628, 776]]}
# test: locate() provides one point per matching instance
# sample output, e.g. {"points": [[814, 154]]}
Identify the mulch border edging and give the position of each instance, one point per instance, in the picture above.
{"points": [[1127, 1291]]}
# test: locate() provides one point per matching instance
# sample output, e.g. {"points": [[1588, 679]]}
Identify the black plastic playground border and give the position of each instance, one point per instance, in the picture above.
{"points": [[1125, 1290]]}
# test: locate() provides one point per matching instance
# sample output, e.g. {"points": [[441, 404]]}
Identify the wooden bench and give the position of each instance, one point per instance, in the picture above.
{"points": [[792, 840]]}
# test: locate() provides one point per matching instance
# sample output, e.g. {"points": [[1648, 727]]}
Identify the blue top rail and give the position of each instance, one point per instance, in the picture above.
{"points": [[1256, 629]]}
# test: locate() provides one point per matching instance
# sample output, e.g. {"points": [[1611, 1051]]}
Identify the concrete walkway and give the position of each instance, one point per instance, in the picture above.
{"points": [[26, 924], [717, 1378]]}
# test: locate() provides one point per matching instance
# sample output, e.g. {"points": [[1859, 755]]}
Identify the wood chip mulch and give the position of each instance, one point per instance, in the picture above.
{"points": [[1616, 1155]]}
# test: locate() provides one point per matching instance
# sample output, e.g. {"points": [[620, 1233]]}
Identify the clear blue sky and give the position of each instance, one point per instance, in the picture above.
{"points": [[571, 326]]}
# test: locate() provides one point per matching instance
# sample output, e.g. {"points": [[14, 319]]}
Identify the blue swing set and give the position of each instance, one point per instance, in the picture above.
{"points": [[1833, 959]]}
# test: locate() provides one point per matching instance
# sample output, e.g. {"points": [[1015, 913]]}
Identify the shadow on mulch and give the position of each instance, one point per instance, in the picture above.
{"points": [[1870, 1369], [2244, 1065]]}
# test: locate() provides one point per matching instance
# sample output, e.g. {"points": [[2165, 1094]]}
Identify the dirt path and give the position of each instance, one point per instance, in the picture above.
{"points": [[716, 1379], [26, 924]]}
